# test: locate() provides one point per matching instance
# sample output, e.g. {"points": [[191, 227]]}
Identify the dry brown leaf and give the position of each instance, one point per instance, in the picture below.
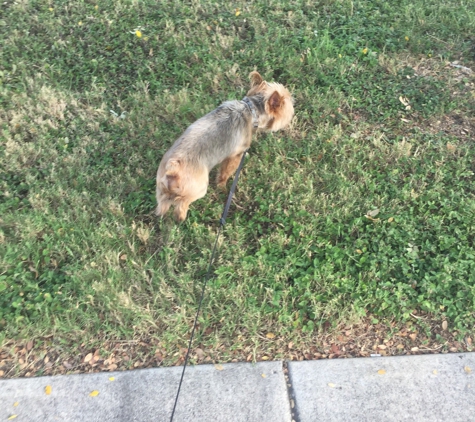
{"points": [[199, 352], [270, 335], [291, 344], [413, 336], [123, 257], [29, 345], [382, 347], [2, 373], [112, 367], [219, 367], [451, 147], [400, 346], [88, 357], [444, 325], [94, 393], [48, 390], [381, 372]]}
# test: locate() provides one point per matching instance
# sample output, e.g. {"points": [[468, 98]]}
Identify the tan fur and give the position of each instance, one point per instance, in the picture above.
{"points": [[220, 137]]}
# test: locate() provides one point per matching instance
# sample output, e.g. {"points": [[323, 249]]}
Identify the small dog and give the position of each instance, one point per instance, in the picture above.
{"points": [[221, 136]]}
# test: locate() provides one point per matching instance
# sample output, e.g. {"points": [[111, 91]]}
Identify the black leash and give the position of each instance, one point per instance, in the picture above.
{"points": [[222, 222]]}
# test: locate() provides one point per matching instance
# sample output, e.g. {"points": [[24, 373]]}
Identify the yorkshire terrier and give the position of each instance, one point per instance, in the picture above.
{"points": [[221, 136]]}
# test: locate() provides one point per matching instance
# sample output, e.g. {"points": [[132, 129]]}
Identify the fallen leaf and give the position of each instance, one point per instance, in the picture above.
{"points": [[444, 325], [263, 375], [265, 357], [16, 404], [29, 345], [359, 251], [335, 349], [123, 257], [435, 372], [111, 378], [2, 373], [12, 417], [390, 219], [414, 349], [373, 213], [94, 393], [451, 147], [219, 367], [88, 358], [381, 372], [112, 367], [400, 346], [48, 390], [382, 347], [467, 369], [270, 335], [330, 384], [200, 353], [290, 345], [413, 336]]}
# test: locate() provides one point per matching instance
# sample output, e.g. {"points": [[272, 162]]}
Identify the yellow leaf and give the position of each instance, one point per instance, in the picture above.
{"points": [[96, 7], [435, 372], [94, 393], [381, 372], [12, 417], [263, 375], [80, 23], [467, 369], [88, 357], [219, 367], [270, 335], [406, 38], [111, 378], [139, 34], [48, 390], [390, 219], [365, 51], [265, 357], [238, 12], [16, 404], [359, 251], [330, 384]]}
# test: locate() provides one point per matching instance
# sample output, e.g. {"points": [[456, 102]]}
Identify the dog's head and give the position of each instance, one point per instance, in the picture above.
{"points": [[277, 101]]}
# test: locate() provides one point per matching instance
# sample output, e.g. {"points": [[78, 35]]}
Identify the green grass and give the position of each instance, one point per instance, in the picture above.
{"points": [[382, 123]]}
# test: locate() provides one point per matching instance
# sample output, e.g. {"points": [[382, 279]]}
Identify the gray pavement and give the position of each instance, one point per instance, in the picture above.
{"points": [[406, 388]]}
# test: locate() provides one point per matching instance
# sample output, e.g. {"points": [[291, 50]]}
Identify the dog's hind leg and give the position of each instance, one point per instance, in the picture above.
{"points": [[228, 167], [163, 205]]}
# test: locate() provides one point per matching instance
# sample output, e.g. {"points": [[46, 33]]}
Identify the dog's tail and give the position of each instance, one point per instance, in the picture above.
{"points": [[171, 180]]}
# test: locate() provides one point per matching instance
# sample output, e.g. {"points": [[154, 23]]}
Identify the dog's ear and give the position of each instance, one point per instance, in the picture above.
{"points": [[275, 101], [255, 78]]}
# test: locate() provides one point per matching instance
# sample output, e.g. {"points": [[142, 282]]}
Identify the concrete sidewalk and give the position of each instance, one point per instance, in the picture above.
{"points": [[406, 388]]}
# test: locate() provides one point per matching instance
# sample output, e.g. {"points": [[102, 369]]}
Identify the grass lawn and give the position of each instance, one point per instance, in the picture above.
{"points": [[351, 233]]}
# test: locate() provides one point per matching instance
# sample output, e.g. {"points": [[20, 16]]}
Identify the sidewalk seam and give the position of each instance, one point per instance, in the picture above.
{"points": [[290, 393]]}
